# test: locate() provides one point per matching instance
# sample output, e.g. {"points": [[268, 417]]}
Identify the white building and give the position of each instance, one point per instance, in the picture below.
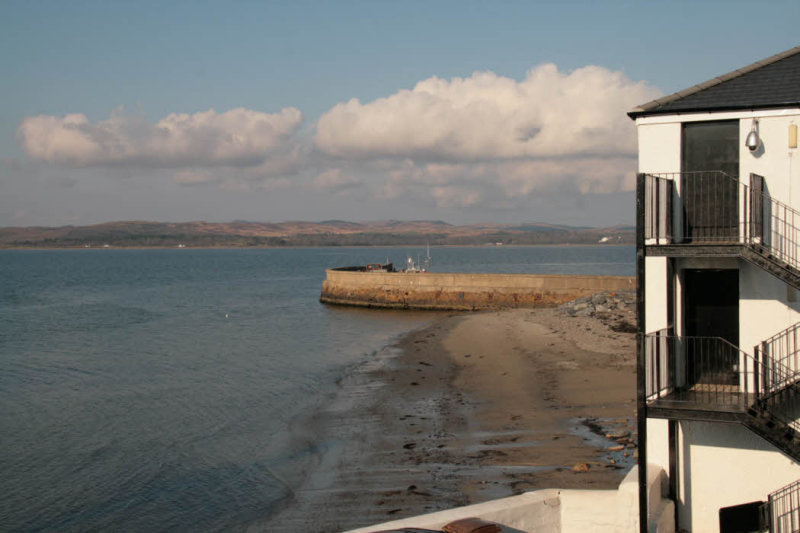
{"points": [[718, 259]]}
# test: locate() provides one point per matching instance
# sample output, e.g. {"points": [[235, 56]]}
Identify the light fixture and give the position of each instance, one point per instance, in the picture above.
{"points": [[752, 142]]}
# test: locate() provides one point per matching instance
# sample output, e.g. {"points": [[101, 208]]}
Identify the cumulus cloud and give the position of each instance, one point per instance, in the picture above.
{"points": [[466, 142], [486, 116], [236, 138], [479, 142]]}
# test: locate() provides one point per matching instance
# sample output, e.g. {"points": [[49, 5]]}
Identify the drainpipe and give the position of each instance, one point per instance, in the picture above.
{"points": [[641, 413]]}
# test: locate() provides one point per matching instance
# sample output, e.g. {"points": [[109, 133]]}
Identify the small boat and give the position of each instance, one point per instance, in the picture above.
{"points": [[377, 267], [371, 267]]}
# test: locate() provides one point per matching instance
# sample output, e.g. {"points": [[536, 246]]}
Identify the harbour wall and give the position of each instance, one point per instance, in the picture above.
{"points": [[460, 291]]}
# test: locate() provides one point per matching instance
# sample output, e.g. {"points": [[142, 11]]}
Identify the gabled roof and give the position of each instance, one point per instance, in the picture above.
{"points": [[769, 83]]}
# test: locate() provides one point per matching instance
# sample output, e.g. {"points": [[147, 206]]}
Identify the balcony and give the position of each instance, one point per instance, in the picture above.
{"points": [[707, 378], [714, 214], [701, 377]]}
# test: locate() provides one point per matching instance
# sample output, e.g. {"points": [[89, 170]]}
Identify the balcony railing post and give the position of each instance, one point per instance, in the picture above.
{"points": [[767, 373], [743, 225], [794, 366], [756, 357], [658, 366], [670, 186]]}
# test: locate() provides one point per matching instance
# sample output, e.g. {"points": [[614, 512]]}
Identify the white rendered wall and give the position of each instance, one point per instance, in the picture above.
{"points": [[723, 465], [659, 146], [765, 306], [775, 161], [658, 443], [655, 301]]}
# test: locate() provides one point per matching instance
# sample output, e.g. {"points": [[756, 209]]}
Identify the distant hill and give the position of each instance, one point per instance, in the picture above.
{"points": [[128, 234]]}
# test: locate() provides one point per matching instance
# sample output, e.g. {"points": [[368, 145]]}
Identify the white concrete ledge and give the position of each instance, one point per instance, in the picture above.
{"points": [[561, 511]]}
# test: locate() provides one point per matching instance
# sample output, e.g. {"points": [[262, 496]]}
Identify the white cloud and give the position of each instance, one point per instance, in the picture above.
{"points": [[484, 143], [462, 141], [236, 138], [485, 116]]}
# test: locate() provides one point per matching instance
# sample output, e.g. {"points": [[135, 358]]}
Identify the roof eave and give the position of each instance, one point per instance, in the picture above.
{"points": [[639, 112]]}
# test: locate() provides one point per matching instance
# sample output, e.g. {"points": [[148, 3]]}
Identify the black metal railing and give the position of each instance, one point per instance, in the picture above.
{"points": [[783, 509], [784, 350], [708, 372], [711, 374], [715, 208]]}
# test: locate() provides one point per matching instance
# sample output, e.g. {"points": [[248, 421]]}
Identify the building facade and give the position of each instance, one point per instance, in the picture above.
{"points": [[718, 259]]}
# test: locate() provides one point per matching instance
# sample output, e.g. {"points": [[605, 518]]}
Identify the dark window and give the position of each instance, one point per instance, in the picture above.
{"points": [[709, 146], [710, 162], [745, 518], [711, 305]]}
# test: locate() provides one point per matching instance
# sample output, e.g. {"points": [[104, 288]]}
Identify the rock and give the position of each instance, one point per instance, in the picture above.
{"points": [[615, 448], [580, 467], [620, 434], [599, 298]]}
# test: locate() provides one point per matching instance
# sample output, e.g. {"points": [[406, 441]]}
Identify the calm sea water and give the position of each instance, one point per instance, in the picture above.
{"points": [[156, 390]]}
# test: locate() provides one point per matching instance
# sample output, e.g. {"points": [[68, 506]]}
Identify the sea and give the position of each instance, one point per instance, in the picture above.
{"points": [[160, 390]]}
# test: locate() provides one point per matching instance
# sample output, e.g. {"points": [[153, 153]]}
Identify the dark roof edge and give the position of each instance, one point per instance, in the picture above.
{"points": [[646, 109], [705, 109]]}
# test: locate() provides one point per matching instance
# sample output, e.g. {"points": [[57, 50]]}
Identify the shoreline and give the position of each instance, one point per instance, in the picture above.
{"points": [[470, 408], [187, 247]]}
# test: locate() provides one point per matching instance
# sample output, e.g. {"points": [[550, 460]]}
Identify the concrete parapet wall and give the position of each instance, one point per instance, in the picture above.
{"points": [[457, 291], [561, 511]]}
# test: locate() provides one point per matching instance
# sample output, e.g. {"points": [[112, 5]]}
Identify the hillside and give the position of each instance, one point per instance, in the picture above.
{"points": [[326, 233]]}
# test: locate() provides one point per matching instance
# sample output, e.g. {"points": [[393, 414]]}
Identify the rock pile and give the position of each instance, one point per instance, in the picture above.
{"points": [[617, 309]]}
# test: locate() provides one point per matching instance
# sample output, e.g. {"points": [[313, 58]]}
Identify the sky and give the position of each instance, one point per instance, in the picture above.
{"points": [[461, 111]]}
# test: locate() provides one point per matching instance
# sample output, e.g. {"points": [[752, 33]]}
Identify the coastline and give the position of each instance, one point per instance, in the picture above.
{"points": [[467, 409], [305, 246]]}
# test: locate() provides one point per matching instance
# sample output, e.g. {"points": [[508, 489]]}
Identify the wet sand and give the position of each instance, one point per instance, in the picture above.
{"points": [[473, 408]]}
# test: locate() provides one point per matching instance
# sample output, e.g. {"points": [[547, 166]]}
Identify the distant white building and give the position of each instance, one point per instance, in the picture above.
{"points": [[718, 264]]}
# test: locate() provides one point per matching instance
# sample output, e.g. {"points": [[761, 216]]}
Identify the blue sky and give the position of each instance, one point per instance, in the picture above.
{"points": [[459, 111]]}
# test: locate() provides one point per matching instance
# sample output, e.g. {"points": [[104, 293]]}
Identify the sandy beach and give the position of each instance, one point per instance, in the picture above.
{"points": [[472, 408]]}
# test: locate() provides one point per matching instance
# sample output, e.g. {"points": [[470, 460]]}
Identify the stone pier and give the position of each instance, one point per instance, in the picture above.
{"points": [[463, 292]]}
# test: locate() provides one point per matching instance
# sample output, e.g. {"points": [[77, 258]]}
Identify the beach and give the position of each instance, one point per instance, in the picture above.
{"points": [[471, 408]]}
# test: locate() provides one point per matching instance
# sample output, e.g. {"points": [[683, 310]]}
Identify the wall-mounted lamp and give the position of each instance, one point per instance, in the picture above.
{"points": [[752, 142]]}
